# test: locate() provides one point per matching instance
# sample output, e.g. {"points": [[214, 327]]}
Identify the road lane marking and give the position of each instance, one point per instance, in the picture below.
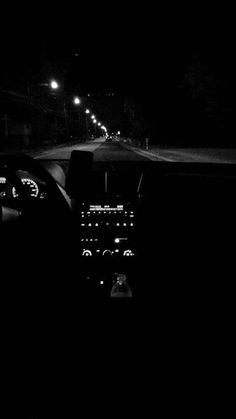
{"points": [[147, 154]]}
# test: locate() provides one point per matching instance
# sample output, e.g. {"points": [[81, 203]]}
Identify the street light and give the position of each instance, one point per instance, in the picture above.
{"points": [[93, 116], [87, 111], [54, 85], [94, 121], [99, 124], [77, 100]]}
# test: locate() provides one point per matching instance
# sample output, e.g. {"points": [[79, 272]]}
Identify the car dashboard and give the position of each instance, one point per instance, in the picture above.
{"points": [[148, 223], [33, 187]]}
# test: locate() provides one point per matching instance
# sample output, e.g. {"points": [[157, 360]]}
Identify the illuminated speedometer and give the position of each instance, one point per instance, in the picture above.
{"points": [[3, 182], [31, 186]]}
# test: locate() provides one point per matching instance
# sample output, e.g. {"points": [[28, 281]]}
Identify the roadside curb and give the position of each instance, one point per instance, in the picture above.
{"points": [[145, 153]]}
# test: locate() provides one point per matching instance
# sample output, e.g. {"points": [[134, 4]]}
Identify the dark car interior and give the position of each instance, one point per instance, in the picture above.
{"points": [[167, 229]]}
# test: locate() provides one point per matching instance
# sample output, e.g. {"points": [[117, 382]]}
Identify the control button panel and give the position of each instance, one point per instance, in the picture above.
{"points": [[107, 230]]}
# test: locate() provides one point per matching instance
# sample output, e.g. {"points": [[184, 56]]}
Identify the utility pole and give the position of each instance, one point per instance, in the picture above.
{"points": [[66, 120], [6, 128]]}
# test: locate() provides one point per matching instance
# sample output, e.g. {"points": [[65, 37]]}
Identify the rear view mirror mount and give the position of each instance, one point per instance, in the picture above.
{"points": [[80, 168]]}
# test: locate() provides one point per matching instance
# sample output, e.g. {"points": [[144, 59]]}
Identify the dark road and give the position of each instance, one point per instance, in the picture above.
{"points": [[108, 152], [102, 151], [115, 151]]}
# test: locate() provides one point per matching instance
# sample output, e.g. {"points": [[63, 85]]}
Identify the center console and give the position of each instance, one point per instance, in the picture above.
{"points": [[107, 229], [105, 222], [107, 248]]}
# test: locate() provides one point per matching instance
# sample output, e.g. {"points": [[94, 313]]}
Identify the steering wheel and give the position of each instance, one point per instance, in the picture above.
{"points": [[9, 165]]}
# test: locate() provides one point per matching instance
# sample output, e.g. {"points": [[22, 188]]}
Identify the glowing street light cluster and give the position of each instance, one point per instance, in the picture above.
{"points": [[94, 120], [54, 85]]}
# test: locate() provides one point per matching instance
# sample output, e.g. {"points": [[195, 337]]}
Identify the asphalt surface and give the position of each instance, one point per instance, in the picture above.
{"points": [[115, 151], [102, 150]]}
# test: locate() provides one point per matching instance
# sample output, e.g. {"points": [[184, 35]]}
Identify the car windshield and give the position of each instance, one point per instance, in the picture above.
{"points": [[138, 84]]}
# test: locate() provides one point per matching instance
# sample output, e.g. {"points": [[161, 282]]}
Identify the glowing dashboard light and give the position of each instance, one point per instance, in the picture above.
{"points": [[107, 252], [86, 253], [30, 184], [128, 252]]}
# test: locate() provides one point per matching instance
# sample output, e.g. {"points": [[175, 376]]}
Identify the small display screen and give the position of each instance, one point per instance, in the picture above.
{"points": [[106, 208]]}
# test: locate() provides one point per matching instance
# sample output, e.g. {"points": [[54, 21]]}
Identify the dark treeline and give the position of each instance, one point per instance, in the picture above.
{"points": [[196, 109]]}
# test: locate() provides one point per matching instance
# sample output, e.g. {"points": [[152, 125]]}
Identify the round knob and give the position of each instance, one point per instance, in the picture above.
{"points": [[107, 252], [128, 252], [87, 253]]}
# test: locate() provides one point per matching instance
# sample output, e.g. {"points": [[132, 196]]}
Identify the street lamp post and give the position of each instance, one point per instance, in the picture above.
{"points": [[66, 120], [54, 85], [87, 112], [95, 126], [77, 102]]}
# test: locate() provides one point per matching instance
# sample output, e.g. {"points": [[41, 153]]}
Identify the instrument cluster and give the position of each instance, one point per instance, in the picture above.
{"points": [[33, 187]]}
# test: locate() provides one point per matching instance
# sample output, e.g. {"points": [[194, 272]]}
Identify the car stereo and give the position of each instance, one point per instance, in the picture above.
{"points": [[107, 229]]}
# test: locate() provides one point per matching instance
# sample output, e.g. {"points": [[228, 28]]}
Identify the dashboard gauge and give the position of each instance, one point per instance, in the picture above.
{"points": [[31, 186], [3, 182]]}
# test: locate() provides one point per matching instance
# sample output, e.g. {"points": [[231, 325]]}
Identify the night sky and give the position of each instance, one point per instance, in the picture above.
{"points": [[125, 49], [142, 51]]}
